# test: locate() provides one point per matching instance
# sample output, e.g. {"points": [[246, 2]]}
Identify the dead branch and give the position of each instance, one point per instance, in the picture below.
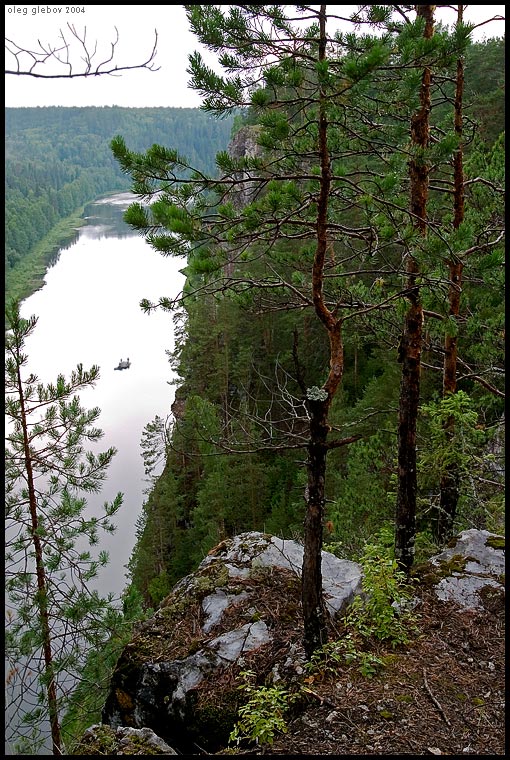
{"points": [[435, 701], [29, 62]]}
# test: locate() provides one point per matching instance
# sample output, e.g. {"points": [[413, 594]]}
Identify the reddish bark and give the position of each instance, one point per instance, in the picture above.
{"points": [[314, 615]]}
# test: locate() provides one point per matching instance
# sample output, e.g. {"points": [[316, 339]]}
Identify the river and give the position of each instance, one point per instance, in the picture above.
{"points": [[88, 311]]}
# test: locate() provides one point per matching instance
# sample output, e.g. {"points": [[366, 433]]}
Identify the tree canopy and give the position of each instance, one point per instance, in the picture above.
{"points": [[330, 213]]}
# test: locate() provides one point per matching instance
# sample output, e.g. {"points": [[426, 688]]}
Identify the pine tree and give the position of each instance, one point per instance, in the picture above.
{"points": [[285, 192], [55, 617], [411, 344], [449, 485], [319, 208]]}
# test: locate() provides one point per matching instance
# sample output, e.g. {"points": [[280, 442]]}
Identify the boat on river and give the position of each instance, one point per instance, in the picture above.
{"points": [[123, 364]]}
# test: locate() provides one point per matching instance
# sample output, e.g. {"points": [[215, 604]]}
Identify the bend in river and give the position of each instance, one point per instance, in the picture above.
{"points": [[89, 313]]}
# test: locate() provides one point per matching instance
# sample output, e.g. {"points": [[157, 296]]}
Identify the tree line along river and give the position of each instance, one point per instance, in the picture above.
{"points": [[88, 312]]}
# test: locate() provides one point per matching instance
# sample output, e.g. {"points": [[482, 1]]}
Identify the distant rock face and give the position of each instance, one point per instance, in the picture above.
{"points": [[178, 406], [244, 145], [240, 609]]}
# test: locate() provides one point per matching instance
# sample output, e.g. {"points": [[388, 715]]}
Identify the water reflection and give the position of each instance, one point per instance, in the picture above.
{"points": [[105, 217], [55, 256], [88, 312]]}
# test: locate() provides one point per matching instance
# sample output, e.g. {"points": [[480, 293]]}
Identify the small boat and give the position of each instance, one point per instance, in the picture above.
{"points": [[124, 364]]}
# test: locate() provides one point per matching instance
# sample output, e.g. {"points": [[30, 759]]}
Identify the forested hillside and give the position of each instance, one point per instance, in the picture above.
{"points": [[248, 349], [57, 159], [339, 341]]}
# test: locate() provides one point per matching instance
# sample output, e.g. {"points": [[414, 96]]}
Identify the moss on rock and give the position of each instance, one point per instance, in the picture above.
{"points": [[104, 740], [496, 542]]}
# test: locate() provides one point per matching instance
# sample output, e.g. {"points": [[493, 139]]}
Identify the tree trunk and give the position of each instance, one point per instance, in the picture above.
{"points": [[405, 518], [444, 517], [443, 521], [411, 343], [314, 616]]}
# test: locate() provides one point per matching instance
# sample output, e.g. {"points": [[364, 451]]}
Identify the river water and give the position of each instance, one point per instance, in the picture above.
{"points": [[88, 312]]}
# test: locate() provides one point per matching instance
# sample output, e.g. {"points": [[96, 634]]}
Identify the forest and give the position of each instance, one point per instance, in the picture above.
{"points": [[243, 356], [340, 340], [57, 159]]}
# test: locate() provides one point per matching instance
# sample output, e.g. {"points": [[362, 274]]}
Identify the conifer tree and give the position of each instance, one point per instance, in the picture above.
{"points": [[283, 205], [411, 343], [55, 616], [444, 515], [310, 211], [449, 486]]}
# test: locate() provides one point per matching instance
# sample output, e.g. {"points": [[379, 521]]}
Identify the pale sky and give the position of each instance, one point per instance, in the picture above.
{"points": [[26, 24]]}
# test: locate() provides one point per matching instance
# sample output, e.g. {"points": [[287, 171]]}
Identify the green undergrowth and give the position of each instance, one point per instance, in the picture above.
{"points": [[381, 613]]}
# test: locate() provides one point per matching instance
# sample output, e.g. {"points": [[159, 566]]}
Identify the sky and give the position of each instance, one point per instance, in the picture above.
{"points": [[27, 24]]}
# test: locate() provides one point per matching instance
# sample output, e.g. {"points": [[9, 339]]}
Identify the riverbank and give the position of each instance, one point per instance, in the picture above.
{"points": [[28, 276]]}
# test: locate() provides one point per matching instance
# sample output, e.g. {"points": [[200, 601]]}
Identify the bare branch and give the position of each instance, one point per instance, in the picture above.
{"points": [[488, 21], [435, 701], [343, 441], [483, 181], [29, 62]]}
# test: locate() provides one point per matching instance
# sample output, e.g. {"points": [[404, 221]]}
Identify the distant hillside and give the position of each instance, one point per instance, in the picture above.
{"points": [[57, 159]]}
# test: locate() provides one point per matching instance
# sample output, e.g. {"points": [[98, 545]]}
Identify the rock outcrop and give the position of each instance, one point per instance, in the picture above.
{"points": [[474, 566], [244, 144], [103, 740], [241, 610], [243, 147]]}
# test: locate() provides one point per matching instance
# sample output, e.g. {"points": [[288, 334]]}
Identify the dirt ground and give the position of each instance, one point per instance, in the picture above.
{"points": [[441, 695]]}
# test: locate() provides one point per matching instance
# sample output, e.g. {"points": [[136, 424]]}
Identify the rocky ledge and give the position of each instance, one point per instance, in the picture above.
{"points": [[178, 677]]}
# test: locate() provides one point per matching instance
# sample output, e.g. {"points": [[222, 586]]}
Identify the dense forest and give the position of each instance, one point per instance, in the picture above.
{"points": [[57, 159], [344, 297], [243, 361]]}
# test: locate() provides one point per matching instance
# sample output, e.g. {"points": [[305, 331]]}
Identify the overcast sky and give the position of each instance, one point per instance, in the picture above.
{"points": [[26, 24]]}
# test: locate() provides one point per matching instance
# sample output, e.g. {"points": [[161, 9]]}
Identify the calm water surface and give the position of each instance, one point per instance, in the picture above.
{"points": [[89, 312]]}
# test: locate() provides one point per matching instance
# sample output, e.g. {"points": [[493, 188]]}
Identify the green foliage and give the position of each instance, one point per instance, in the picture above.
{"points": [[360, 492], [25, 273], [249, 343], [88, 697], [159, 588], [381, 611], [485, 85], [54, 616], [154, 445], [241, 367], [162, 553], [58, 159], [263, 716], [425, 546], [333, 656], [454, 438]]}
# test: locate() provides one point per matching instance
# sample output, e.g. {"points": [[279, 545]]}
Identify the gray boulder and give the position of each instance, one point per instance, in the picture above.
{"points": [[473, 565], [239, 610], [103, 740]]}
